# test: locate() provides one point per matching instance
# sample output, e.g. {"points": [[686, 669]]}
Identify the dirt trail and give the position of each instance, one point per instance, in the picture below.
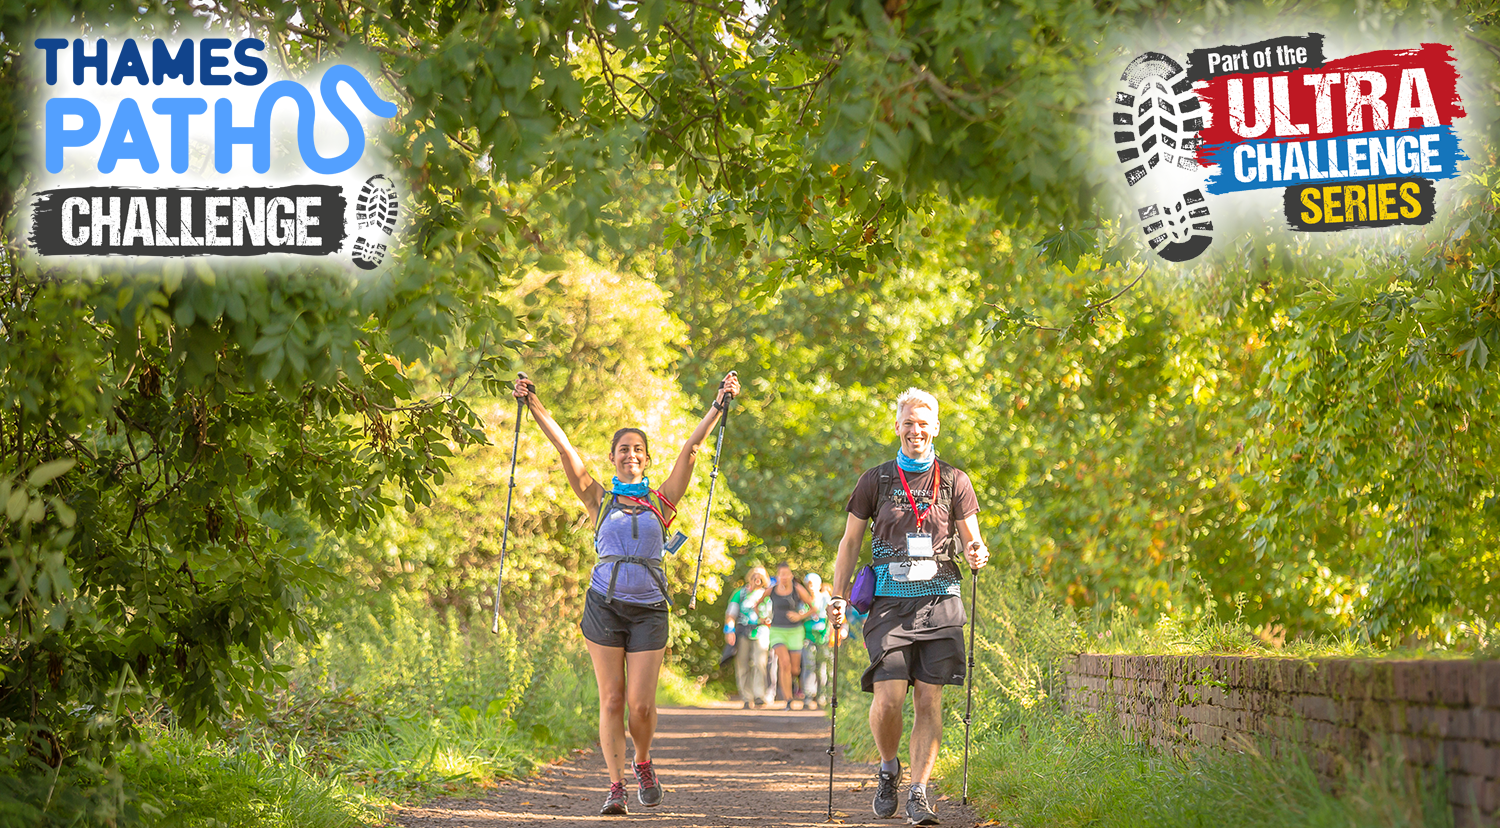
{"points": [[722, 767]]}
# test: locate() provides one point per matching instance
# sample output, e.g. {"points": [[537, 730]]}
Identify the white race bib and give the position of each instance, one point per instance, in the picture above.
{"points": [[906, 571]]}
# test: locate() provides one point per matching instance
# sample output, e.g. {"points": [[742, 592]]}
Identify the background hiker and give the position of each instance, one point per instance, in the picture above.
{"points": [[922, 515], [625, 610], [741, 623], [789, 607]]}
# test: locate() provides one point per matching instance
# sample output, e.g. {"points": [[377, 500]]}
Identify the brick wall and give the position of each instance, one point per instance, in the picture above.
{"points": [[1336, 710]]}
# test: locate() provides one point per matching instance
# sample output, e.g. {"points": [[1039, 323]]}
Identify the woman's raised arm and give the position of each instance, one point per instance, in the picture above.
{"points": [[682, 471], [584, 485]]}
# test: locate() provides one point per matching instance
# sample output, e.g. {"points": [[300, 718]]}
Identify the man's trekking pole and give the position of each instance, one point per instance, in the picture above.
{"points": [[713, 479], [833, 718], [505, 534], [969, 679]]}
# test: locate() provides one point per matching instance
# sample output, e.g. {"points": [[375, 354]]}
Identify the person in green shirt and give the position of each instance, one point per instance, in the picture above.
{"points": [[743, 632]]}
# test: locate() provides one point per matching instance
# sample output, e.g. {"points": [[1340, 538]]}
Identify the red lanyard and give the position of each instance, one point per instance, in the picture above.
{"points": [[641, 501], [921, 513]]}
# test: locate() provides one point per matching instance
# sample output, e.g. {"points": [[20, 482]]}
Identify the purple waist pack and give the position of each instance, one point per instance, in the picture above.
{"points": [[862, 597]]}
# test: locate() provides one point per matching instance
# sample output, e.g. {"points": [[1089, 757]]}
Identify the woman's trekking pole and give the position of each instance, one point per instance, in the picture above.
{"points": [[833, 718], [505, 534], [713, 479], [969, 678]]}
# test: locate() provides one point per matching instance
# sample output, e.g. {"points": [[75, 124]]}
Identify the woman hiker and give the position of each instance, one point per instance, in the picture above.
{"points": [[742, 632], [789, 604], [625, 610], [815, 644]]}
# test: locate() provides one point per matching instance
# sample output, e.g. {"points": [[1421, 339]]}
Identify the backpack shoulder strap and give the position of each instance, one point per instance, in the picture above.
{"points": [[662, 509], [887, 482], [666, 511], [947, 481], [606, 505]]}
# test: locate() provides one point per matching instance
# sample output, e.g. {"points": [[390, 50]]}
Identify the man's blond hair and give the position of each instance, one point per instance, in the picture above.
{"points": [[914, 396]]}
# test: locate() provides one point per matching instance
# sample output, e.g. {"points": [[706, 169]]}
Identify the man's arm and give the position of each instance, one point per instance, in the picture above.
{"points": [[843, 566], [975, 551]]}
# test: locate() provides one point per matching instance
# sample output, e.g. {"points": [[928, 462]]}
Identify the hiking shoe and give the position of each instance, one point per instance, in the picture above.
{"points": [[650, 790], [918, 810], [885, 792], [615, 804]]}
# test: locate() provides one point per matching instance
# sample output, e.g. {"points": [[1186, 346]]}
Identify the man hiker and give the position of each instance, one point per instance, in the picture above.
{"points": [[923, 519]]}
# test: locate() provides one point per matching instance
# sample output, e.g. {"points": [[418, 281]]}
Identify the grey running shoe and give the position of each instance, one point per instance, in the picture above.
{"points": [[615, 804], [885, 792], [650, 791], [918, 810]]}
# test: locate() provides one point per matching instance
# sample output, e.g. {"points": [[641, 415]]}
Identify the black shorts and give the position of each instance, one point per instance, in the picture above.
{"points": [[915, 639], [615, 623], [931, 661]]}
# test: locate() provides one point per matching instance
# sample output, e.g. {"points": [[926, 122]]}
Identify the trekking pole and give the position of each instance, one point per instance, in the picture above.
{"points": [[713, 479], [969, 679], [505, 534], [833, 719]]}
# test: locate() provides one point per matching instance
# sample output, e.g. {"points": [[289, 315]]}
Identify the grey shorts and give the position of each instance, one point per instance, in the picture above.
{"points": [[614, 623]]}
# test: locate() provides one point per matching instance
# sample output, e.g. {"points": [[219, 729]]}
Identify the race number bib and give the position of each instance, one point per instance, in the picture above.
{"points": [[918, 545]]}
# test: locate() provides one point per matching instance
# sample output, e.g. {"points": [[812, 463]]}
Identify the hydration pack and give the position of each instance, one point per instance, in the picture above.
{"points": [[661, 510]]}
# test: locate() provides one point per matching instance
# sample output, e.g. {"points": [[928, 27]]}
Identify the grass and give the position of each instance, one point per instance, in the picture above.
{"points": [[394, 705], [677, 690], [1059, 771], [187, 780]]}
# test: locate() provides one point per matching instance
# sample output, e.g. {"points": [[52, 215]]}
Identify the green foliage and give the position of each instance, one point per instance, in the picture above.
{"points": [[1372, 430], [390, 704]]}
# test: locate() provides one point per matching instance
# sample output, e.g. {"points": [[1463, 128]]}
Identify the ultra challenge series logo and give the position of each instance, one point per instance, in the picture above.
{"points": [[158, 148], [1356, 142]]}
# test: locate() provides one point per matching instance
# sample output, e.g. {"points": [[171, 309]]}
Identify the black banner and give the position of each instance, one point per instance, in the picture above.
{"points": [[250, 221], [1324, 207], [1280, 54]]}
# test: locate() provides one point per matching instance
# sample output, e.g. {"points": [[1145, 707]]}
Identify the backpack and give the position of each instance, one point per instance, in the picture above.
{"points": [[664, 512]]}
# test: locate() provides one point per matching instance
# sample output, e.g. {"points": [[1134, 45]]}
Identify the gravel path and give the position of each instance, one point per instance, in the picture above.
{"points": [[722, 767]]}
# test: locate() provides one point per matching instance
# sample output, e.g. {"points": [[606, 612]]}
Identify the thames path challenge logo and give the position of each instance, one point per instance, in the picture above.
{"points": [[136, 163]]}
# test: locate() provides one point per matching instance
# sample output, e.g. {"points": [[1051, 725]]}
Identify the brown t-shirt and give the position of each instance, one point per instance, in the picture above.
{"points": [[892, 519]]}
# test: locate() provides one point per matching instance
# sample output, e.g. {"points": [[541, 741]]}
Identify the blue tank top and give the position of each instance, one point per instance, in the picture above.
{"points": [[622, 533]]}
